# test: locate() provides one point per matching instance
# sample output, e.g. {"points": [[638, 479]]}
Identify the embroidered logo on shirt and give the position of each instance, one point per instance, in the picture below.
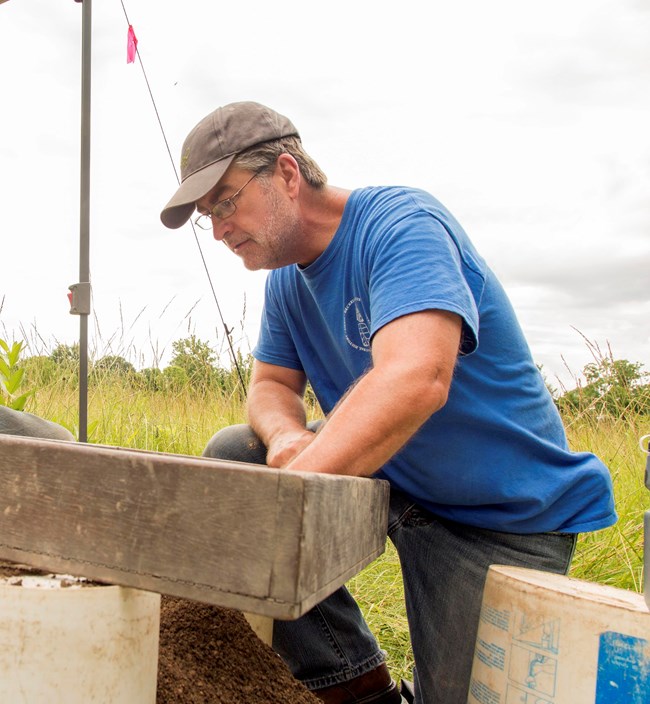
{"points": [[357, 325]]}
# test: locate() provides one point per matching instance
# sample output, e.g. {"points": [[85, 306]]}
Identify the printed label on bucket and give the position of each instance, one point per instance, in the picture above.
{"points": [[516, 657], [623, 669]]}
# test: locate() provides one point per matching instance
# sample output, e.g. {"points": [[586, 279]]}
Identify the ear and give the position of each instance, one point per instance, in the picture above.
{"points": [[287, 169]]}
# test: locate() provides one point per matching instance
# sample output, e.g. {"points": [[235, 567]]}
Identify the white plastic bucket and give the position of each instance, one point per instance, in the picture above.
{"points": [[549, 639], [78, 645]]}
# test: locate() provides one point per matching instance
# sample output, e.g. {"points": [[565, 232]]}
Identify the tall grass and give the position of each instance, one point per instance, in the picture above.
{"points": [[614, 556], [125, 414]]}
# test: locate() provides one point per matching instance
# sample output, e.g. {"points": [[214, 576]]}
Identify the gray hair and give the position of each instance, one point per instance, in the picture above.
{"points": [[261, 156]]}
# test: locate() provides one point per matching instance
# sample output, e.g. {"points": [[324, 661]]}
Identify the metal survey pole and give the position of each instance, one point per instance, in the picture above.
{"points": [[80, 293]]}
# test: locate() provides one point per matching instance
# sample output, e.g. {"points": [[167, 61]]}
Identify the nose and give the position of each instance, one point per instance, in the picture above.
{"points": [[220, 228]]}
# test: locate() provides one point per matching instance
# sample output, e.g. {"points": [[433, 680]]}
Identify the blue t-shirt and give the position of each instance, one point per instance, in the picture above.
{"points": [[495, 456]]}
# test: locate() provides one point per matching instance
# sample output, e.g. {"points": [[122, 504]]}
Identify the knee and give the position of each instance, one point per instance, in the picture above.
{"points": [[27, 425], [237, 443]]}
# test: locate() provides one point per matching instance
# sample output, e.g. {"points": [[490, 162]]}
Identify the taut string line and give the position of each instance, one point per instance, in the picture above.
{"points": [[196, 239]]}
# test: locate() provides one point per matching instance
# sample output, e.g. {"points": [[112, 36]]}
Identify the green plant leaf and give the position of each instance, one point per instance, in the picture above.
{"points": [[18, 404], [14, 381], [12, 375], [14, 353]]}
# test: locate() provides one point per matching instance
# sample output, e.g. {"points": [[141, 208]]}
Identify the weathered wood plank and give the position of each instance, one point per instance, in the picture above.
{"points": [[261, 540]]}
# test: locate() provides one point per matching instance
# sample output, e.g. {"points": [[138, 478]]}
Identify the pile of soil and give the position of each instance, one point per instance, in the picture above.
{"points": [[210, 655]]}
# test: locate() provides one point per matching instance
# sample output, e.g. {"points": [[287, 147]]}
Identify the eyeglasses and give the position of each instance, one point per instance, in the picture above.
{"points": [[222, 209]]}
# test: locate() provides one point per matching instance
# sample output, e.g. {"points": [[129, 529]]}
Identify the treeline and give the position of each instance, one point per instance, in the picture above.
{"points": [[611, 387], [194, 365]]}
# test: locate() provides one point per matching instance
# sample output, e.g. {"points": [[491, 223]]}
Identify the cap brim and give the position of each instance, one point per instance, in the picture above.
{"points": [[181, 206]]}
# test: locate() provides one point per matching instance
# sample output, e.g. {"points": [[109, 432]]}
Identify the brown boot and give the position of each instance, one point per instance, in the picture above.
{"points": [[374, 687]]}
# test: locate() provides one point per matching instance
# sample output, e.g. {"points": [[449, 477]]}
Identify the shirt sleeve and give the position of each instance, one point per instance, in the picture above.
{"points": [[275, 344], [415, 265]]}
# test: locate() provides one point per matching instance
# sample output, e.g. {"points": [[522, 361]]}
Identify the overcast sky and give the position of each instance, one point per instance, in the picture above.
{"points": [[529, 121]]}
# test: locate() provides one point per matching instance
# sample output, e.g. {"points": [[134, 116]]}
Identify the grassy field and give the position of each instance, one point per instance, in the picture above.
{"points": [[183, 421]]}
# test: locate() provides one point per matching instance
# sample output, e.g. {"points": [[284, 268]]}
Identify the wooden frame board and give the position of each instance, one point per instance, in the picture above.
{"points": [[266, 541]]}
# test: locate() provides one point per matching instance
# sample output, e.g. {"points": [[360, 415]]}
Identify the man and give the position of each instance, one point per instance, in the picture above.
{"points": [[378, 299]]}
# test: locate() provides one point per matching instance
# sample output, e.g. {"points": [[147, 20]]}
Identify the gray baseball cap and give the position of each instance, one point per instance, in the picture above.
{"points": [[211, 146]]}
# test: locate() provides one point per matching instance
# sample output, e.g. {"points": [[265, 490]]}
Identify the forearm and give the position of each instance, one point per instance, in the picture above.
{"points": [[276, 412], [273, 409], [373, 422], [388, 405]]}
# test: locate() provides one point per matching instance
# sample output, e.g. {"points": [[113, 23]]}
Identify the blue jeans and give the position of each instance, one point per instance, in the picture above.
{"points": [[444, 566], [30, 426]]}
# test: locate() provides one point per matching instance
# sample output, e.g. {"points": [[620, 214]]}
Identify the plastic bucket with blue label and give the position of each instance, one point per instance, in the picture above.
{"points": [[549, 639]]}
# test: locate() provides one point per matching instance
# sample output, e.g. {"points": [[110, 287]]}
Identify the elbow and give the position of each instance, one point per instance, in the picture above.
{"points": [[428, 395], [437, 396]]}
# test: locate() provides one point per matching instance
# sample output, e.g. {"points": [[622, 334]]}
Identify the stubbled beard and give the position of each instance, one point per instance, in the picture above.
{"points": [[277, 235]]}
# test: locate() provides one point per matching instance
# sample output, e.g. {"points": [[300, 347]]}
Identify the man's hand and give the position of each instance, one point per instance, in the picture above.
{"points": [[277, 413], [287, 446]]}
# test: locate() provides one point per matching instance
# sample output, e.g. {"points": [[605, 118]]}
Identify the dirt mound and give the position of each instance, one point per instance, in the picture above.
{"points": [[210, 655]]}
